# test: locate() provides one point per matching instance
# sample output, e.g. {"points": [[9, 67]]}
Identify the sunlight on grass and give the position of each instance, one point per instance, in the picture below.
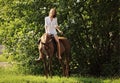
{"points": [[9, 75], [40, 79], [112, 80]]}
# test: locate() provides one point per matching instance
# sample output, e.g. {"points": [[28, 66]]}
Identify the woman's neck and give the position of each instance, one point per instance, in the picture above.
{"points": [[51, 18]]}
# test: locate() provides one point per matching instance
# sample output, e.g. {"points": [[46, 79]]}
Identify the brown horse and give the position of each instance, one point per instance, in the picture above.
{"points": [[47, 49]]}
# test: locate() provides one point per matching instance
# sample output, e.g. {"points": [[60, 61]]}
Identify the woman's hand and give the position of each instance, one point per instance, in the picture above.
{"points": [[61, 32]]}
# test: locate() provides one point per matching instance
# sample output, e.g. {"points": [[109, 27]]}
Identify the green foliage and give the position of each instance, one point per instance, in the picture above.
{"points": [[92, 26]]}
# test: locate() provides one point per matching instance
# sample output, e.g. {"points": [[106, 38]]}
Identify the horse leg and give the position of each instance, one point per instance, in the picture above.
{"points": [[67, 67], [63, 67], [67, 58], [45, 67], [50, 53], [50, 67], [50, 60]]}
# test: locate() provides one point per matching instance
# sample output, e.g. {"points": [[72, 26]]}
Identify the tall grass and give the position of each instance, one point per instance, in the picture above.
{"points": [[9, 75]]}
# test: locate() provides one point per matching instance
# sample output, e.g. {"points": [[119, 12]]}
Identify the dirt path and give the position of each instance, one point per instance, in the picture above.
{"points": [[1, 48], [5, 64]]}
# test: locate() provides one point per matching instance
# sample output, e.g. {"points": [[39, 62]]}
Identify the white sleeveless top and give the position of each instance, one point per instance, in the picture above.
{"points": [[50, 26]]}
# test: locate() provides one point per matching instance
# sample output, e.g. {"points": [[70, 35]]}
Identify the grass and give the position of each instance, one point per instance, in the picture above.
{"points": [[3, 59], [8, 75]]}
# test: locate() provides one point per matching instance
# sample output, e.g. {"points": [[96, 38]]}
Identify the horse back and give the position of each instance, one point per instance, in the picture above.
{"points": [[65, 43]]}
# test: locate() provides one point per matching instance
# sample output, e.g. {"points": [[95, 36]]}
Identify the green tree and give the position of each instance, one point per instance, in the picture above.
{"points": [[92, 26]]}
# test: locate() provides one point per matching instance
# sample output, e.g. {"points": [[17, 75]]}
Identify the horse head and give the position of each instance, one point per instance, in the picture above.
{"points": [[46, 39]]}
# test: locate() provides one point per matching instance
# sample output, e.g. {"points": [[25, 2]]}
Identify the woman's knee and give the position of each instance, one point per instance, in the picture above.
{"points": [[56, 38]]}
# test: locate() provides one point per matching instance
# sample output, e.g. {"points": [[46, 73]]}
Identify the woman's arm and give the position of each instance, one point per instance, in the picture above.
{"points": [[46, 24], [57, 27]]}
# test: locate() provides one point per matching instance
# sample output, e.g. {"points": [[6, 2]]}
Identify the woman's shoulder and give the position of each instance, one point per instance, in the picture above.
{"points": [[46, 17], [55, 18]]}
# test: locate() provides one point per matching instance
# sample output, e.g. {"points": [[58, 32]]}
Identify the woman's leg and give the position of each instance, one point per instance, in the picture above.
{"points": [[40, 54], [58, 46]]}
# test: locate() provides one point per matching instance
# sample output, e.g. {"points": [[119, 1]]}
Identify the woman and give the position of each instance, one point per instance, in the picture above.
{"points": [[51, 26]]}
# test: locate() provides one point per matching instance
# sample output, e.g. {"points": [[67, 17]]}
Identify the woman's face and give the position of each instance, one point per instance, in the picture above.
{"points": [[52, 12]]}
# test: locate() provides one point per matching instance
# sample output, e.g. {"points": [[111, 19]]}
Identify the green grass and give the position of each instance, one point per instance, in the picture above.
{"points": [[8, 75], [3, 59]]}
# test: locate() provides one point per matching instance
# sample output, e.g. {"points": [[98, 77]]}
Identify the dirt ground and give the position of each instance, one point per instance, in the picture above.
{"points": [[1, 48], [5, 64]]}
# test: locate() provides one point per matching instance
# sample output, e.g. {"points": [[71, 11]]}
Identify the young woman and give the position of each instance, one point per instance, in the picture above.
{"points": [[51, 25]]}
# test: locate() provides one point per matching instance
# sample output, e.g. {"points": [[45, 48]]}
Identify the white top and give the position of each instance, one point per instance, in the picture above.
{"points": [[50, 26]]}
